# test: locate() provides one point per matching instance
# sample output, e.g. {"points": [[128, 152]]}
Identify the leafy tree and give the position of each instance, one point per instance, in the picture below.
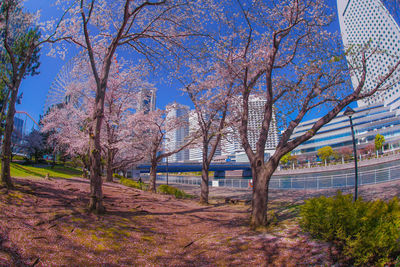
{"points": [[287, 158], [379, 142], [325, 153], [19, 57], [20, 43]]}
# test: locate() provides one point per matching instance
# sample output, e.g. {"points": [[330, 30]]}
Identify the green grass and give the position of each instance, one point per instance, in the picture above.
{"points": [[18, 170], [170, 190], [133, 184]]}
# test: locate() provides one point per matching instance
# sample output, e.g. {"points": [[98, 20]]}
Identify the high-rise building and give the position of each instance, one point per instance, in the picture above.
{"points": [[17, 134], [364, 22], [176, 137], [196, 150], [368, 22], [147, 99], [232, 144], [256, 116]]}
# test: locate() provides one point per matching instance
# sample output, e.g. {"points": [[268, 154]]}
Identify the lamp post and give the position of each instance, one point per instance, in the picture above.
{"points": [[350, 112]]}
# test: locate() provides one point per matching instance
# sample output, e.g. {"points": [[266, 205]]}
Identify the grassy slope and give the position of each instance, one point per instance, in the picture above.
{"points": [[18, 170]]}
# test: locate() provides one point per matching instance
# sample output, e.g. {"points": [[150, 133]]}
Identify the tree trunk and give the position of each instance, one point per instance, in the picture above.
{"points": [[153, 176], [109, 166], [53, 163], [204, 176], [204, 184], [6, 148], [261, 177], [96, 192]]}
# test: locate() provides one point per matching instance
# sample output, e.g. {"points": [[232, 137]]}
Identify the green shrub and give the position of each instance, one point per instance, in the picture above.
{"points": [[116, 175], [18, 158], [170, 190], [133, 184], [366, 232]]}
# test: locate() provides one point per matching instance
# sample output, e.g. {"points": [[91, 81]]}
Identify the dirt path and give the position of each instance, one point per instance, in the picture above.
{"points": [[44, 223]]}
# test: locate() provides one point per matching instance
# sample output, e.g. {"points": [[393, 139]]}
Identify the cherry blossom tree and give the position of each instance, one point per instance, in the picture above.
{"points": [[282, 51], [120, 143], [120, 146], [152, 29], [153, 127], [67, 128], [34, 144], [211, 96]]}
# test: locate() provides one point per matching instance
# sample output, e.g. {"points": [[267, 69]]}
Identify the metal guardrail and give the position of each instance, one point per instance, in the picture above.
{"points": [[304, 183]]}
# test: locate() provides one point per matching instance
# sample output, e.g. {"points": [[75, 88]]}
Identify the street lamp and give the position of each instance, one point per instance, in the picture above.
{"points": [[350, 112]]}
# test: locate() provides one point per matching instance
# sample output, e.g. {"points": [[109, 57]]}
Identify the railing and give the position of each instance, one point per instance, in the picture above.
{"points": [[321, 182]]}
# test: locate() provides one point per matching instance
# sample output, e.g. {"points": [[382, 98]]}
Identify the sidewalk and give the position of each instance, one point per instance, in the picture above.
{"points": [[382, 191], [345, 166]]}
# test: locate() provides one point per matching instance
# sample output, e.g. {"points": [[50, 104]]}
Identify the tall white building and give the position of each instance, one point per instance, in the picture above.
{"points": [[232, 143], [363, 21], [175, 137], [196, 150], [256, 116]]}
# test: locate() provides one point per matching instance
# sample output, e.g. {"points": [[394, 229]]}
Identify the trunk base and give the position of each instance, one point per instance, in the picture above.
{"points": [[9, 185], [96, 206], [203, 202], [5, 176]]}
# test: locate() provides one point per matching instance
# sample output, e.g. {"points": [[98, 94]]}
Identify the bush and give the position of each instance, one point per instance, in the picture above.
{"points": [[368, 233], [133, 184], [116, 175], [18, 158], [170, 190]]}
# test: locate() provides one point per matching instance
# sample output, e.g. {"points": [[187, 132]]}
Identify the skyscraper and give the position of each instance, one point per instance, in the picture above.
{"points": [[364, 22], [196, 149], [256, 116], [232, 144], [175, 137], [147, 99], [195, 152], [368, 21]]}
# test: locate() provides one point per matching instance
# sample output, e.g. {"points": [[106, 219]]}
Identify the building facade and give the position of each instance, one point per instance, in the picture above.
{"points": [[147, 99], [368, 22], [176, 135], [231, 145], [196, 150], [367, 121], [364, 22]]}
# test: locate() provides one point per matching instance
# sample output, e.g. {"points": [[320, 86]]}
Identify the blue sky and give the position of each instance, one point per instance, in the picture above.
{"points": [[35, 88]]}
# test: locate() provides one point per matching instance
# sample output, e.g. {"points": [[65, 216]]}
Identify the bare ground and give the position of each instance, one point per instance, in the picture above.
{"points": [[44, 223]]}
